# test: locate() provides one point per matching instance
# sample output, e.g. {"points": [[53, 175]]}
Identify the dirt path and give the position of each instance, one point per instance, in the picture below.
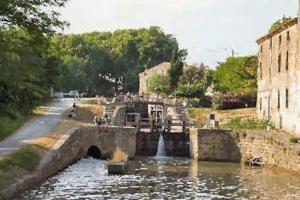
{"points": [[36, 127]]}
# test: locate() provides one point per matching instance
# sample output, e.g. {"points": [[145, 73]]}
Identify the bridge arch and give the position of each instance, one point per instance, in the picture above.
{"points": [[94, 152]]}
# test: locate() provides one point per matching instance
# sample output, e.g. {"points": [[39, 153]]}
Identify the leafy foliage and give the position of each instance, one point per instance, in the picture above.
{"points": [[279, 22], [159, 84], [176, 69], [237, 75], [26, 69], [102, 63], [294, 140], [192, 83], [247, 123]]}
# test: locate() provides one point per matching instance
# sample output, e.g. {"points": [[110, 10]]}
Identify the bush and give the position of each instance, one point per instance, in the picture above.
{"points": [[119, 156], [194, 102], [205, 102], [217, 101], [248, 123], [233, 101], [294, 140]]}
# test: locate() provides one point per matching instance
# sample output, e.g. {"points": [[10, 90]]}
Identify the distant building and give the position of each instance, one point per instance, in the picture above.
{"points": [[161, 69], [278, 97]]}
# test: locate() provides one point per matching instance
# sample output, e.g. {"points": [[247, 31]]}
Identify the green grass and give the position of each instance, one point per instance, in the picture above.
{"points": [[248, 123], [9, 125], [24, 161], [18, 164], [293, 140], [200, 115]]}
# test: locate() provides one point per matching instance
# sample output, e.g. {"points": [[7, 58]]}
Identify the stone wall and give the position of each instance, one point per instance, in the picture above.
{"points": [[274, 148], [146, 143], [222, 145], [176, 144], [214, 145], [119, 115], [73, 146]]}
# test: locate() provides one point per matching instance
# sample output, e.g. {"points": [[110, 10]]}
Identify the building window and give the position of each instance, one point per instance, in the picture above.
{"points": [[261, 48], [288, 38], [271, 43], [260, 104], [287, 61], [278, 100], [280, 39], [260, 70], [279, 63], [286, 98]]}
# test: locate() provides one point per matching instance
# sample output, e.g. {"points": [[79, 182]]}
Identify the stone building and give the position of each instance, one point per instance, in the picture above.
{"points": [[161, 69], [278, 97]]}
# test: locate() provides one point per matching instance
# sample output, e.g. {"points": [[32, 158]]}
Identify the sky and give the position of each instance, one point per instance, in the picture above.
{"points": [[208, 29]]}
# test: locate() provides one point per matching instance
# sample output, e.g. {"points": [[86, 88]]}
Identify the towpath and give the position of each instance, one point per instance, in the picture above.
{"points": [[36, 127]]}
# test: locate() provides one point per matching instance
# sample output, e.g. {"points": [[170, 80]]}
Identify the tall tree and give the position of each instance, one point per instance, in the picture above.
{"points": [[176, 69], [192, 84], [112, 60], [27, 70]]}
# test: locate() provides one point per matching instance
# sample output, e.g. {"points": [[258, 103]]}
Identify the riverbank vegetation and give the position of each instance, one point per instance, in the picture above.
{"points": [[118, 156], [18, 164], [9, 125], [244, 118], [25, 160]]}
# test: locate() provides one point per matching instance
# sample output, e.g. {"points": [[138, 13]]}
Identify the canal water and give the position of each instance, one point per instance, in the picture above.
{"points": [[168, 178]]}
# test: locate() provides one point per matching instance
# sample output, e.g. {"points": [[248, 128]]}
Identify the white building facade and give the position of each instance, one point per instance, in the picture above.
{"points": [[278, 97]]}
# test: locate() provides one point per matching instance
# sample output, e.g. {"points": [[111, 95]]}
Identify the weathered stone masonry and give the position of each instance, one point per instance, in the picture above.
{"points": [[279, 76], [73, 146], [223, 145]]}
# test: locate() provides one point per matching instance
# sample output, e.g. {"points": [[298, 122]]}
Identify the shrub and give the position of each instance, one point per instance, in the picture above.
{"points": [[119, 156], [206, 102], [217, 101], [247, 123], [194, 102], [294, 140]]}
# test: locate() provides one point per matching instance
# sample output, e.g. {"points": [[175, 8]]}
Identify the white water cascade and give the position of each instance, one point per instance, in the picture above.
{"points": [[161, 150]]}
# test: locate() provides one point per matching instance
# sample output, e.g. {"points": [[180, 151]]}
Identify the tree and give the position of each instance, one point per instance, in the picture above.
{"points": [[33, 15], [159, 84], [176, 69], [237, 75], [27, 68], [112, 60], [192, 83]]}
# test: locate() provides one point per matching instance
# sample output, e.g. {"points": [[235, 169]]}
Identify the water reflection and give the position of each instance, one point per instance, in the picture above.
{"points": [[168, 178]]}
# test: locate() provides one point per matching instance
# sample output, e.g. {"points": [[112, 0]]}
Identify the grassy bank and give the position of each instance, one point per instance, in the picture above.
{"points": [[25, 160], [231, 119], [17, 165], [200, 115], [9, 125]]}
